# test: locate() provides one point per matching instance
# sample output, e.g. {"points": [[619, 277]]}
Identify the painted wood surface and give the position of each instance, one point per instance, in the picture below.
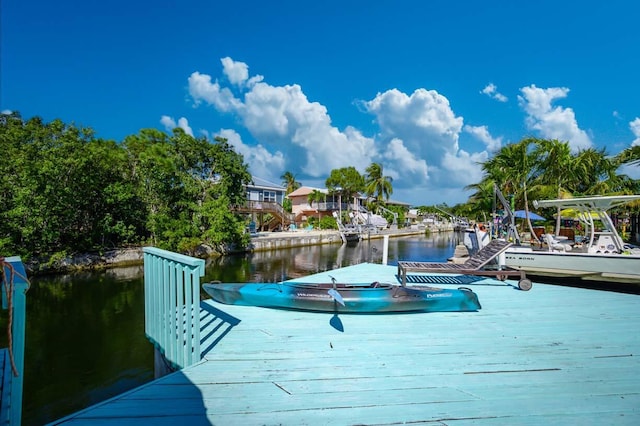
{"points": [[171, 290], [553, 355], [14, 280]]}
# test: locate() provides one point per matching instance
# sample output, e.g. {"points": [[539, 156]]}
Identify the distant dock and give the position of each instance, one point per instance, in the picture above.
{"points": [[553, 355]]}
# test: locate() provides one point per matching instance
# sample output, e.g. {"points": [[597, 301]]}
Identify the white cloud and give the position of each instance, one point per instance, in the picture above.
{"points": [[463, 168], [482, 133], [283, 117], [261, 162], [169, 124], [424, 132], [492, 91], [236, 72], [552, 122], [202, 89], [417, 142], [424, 120], [635, 129], [405, 162]]}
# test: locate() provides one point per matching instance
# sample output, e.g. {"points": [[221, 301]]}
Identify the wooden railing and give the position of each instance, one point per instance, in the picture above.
{"points": [[172, 305], [267, 207], [14, 287]]}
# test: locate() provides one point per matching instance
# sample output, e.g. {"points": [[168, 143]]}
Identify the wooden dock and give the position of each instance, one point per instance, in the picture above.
{"points": [[553, 355]]}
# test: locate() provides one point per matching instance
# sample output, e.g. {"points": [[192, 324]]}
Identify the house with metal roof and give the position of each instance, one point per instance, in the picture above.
{"points": [[265, 205]]}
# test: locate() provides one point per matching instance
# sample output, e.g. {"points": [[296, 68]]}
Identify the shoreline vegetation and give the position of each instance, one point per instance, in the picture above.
{"points": [[263, 241], [67, 198]]}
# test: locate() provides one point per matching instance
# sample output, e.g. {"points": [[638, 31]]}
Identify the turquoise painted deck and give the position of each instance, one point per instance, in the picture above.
{"points": [[553, 355]]}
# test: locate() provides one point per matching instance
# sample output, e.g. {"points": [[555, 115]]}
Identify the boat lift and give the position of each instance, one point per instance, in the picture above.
{"points": [[456, 221], [508, 220], [394, 224]]}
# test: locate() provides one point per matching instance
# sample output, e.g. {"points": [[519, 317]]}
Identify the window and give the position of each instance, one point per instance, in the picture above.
{"points": [[269, 196]]}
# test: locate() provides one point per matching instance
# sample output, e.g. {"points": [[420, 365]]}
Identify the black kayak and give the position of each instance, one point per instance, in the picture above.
{"points": [[349, 298]]}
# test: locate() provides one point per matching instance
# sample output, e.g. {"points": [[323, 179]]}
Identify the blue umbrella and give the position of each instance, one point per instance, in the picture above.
{"points": [[522, 215]]}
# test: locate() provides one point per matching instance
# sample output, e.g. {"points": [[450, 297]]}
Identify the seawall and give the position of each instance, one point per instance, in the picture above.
{"points": [[277, 240]]}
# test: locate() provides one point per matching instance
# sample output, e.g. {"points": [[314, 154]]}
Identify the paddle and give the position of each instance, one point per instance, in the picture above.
{"points": [[336, 296], [333, 292], [335, 321]]}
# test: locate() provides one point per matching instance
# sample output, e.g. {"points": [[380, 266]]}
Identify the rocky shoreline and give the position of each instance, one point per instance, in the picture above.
{"points": [[260, 242], [86, 261]]}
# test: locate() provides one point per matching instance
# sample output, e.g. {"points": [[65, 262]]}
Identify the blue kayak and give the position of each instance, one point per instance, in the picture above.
{"points": [[348, 298]]}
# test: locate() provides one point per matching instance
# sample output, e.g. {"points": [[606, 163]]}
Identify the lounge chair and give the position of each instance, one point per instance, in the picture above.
{"points": [[478, 264]]}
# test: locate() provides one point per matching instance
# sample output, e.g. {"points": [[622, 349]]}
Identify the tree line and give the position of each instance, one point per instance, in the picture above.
{"points": [[548, 169], [64, 191]]}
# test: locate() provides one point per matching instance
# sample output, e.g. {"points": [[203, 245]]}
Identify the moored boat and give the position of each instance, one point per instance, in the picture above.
{"points": [[601, 255], [344, 298]]}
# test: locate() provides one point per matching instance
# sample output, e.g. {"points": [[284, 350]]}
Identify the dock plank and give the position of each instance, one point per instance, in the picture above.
{"points": [[553, 355]]}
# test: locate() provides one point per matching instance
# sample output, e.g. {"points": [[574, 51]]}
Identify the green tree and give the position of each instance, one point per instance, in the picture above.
{"points": [[512, 169], [629, 155], [316, 196], [378, 185], [557, 168], [67, 191], [346, 181], [224, 178], [598, 174], [289, 181], [64, 191]]}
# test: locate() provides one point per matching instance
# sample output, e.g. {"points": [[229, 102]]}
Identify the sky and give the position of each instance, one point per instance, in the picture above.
{"points": [[429, 89]]}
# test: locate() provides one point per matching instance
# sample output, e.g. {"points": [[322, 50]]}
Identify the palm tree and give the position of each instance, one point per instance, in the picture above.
{"points": [[630, 155], [512, 170], [289, 181], [316, 196], [480, 202], [599, 174], [549, 168], [376, 184], [558, 169]]}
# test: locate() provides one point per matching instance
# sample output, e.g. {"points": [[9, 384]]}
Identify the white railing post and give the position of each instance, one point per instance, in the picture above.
{"points": [[385, 249]]}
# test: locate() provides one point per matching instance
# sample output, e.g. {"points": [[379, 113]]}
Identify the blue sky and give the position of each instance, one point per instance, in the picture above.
{"points": [[426, 88]]}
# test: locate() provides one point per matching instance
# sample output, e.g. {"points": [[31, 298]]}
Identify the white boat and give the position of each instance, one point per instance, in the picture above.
{"points": [[601, 255]]}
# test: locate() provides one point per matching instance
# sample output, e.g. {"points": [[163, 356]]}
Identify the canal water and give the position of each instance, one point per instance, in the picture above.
{"points": [[85, 337]]}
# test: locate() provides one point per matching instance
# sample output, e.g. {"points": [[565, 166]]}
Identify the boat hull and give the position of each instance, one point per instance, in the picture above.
{"points": [[599, 267], [351, 298]]}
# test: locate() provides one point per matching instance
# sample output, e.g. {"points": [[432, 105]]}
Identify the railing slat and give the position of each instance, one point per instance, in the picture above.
{"points": [[172, 304]]}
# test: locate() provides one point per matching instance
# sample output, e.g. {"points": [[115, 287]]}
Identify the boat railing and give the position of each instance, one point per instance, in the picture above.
{"points": [[172, 305], [14, 288]]}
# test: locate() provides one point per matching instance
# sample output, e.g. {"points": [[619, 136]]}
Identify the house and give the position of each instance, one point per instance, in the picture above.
{"points": [[302, 209], [264, 205], [262, 190]]}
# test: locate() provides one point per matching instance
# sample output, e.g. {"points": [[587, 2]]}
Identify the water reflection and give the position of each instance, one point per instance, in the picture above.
{"points": [[85, 332], [285, 264]]}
